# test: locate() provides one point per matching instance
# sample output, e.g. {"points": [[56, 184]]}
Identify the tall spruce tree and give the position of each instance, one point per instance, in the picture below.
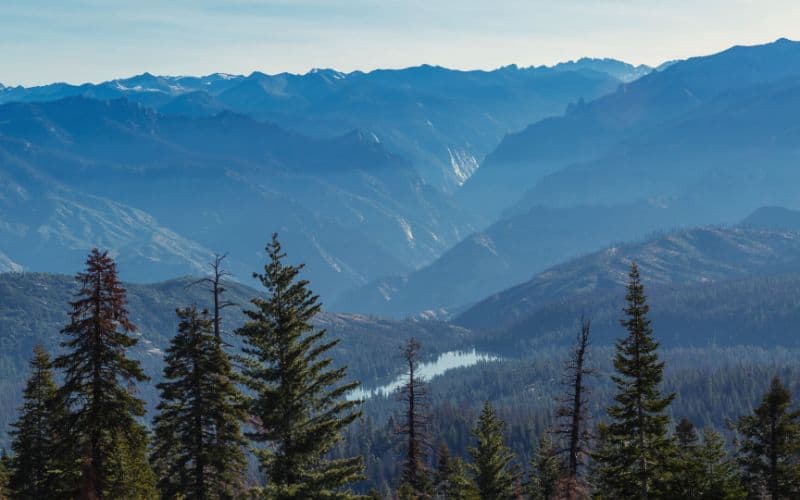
{"points": [[451, 480], [299, 403], [544, 477], [686, 468], [414, 423], [635, 449], [101, 430], [5, 475], [769, 452], [720, 479], [35, 467], [198, 451], [496, 475]]}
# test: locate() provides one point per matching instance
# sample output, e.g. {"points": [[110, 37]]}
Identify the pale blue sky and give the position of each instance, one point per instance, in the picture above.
{"points": [[42, 41]]}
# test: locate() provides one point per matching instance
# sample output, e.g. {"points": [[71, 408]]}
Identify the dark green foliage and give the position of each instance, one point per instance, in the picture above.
{"points": [[198, 451], [5, 474], [35, 467], [545, 470], [687, 472], [719, 478], [769, 452], [101, 432], [702, 470], [635, 449], [298, 402], [451, 479], [496, 475]]}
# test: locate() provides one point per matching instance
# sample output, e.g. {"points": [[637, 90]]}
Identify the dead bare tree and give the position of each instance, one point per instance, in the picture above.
{"points": [[415, 421], [215, 282], [572, 411]]}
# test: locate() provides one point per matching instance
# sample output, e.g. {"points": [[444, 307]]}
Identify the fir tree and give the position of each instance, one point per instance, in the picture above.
{"points": [[545, 471], [35, 466], [5, 475], [452, 481], [496, 475], [444, 467], [769, 452], [702, 470], [719, 477], [299, 401], [198, 452], [635, 452], [414, 423], [101, 429], [686, 467]]}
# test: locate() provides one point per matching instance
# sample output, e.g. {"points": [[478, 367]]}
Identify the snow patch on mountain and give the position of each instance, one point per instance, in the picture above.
{"points": [[463, 164], [7, 265]]}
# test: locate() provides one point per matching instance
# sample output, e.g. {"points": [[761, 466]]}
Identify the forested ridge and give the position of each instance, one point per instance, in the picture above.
{"points": [[261, 410]]}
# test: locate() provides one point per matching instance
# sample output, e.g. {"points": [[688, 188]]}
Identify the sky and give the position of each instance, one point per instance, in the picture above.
{"points": [[44, 41]]}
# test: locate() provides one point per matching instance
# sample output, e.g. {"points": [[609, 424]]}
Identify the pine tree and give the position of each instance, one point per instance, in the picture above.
{"points": [[769, 452], [101, 430], [444, 467], [635, 452], [686, 468], [702, 470], [720, 477], [545, 471], [198, 452], [5, 475], [572, 412], [495, 472], [451, 480], [35, 467], [414, 423], [299, 401]]}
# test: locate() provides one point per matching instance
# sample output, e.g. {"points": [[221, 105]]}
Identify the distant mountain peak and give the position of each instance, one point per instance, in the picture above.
{"points": [[337, 75]]}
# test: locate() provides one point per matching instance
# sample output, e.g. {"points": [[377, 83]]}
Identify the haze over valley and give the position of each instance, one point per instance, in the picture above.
{"points": [[466, 223]]}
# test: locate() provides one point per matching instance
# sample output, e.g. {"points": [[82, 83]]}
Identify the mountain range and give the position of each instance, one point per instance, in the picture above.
{"points": [[324, 159], [443, 121], [340, 164], [702, 141]]}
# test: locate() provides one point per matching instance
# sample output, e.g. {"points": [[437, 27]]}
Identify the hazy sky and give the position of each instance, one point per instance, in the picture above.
{"points": [[42, 41]]}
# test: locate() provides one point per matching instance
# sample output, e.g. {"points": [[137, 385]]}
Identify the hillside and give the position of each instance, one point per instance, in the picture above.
{"points": [[675, 260], [505, 253], [601, 128], [164, 192]]}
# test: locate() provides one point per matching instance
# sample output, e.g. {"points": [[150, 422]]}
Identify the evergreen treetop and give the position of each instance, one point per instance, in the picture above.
{"points": [[299, 400], [35, 465], [98, 391], [198, 443], [635, 449], [769, 452], [496, 475]]}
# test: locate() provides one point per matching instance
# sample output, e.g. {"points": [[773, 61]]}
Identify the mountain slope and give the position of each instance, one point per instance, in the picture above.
{"points": [[506, 253], [588, 130], [694, 256], [223, 183]]}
